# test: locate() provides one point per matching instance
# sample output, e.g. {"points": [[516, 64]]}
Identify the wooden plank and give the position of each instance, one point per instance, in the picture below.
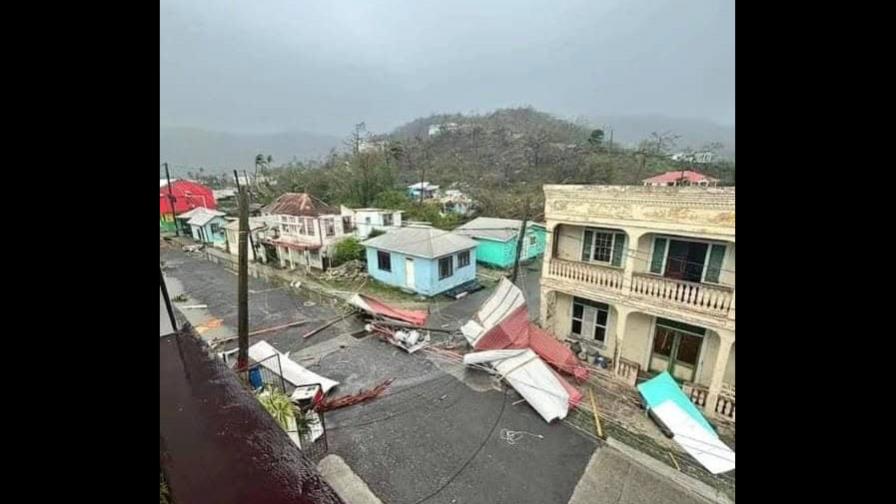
{"points": [[600, 429]]}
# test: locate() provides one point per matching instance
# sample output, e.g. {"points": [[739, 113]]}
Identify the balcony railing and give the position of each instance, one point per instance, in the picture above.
{"points": [[601, 276], [714, 300], [724, 407]]}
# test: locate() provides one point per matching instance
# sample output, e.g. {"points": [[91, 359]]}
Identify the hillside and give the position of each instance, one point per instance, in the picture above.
{"points": [[695, 133], [500, 159], [220, 152]]}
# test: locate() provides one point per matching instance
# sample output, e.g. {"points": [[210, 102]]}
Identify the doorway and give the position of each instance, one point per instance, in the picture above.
{"points": [[676, 349]]}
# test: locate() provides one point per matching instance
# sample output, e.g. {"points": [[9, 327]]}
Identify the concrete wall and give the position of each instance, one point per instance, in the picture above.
{"points": [[637, 340], [426, 272]]}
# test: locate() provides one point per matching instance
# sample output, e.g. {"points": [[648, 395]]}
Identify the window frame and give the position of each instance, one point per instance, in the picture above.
{"points": [[614, 234], [380, 254], [466, 255], [583, 302], [710, 244], [450, 263]]}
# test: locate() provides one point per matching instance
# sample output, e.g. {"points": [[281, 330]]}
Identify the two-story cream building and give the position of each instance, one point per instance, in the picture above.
{"points": [[308, 230], [645, 275]]}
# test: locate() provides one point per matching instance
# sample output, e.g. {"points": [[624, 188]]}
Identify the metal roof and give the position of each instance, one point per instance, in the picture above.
{"points": [[426, 242], [202, 216], [491, 228], [299, 204]]}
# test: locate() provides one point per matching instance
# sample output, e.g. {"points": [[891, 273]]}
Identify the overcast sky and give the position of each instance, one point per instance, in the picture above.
{"points": [[323, 65]]}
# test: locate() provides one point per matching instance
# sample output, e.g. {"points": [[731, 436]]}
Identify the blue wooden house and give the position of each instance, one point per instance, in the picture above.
{"points": [[498, 239], [206, 226], [421, 259]]}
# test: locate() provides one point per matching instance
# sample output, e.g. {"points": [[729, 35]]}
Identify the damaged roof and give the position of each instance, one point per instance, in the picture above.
{"points": [[299, 204]]}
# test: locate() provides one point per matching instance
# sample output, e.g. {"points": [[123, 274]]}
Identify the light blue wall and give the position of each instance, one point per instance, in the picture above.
{"points": [[209, 236], [426, 272]]}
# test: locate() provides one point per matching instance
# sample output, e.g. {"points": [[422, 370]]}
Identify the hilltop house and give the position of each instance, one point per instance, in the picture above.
{"points": [[456, 202], [366, 220], [428, 190], [422, 259], [309, 228], [187, 196], [681, 178], [497, 240], [646, 275]]}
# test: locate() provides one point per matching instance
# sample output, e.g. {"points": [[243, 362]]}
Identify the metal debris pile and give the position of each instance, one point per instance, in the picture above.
{"points": [[351, 270], [325, 404]]}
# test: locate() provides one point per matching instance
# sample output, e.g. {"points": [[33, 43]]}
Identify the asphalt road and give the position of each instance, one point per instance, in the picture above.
{"points": [[435, 436]]}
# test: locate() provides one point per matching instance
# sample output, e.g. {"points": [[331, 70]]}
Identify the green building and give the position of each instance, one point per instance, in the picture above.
{"points": [[497, 239]]}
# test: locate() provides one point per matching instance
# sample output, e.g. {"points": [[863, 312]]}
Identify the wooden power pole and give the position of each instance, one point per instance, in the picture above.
{"points": [[519, 243], [236, 177], [171, 200], [243, 283]]}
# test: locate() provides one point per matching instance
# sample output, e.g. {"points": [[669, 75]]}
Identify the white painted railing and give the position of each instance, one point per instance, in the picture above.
{"points": [[601, 276], [712, 299]]}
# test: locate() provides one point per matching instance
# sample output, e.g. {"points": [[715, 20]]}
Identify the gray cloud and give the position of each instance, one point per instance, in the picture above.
{"points": [[322, 65]]}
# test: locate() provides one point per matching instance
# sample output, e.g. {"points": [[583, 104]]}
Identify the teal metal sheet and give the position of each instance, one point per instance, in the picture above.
{"points": [[664, 388]]}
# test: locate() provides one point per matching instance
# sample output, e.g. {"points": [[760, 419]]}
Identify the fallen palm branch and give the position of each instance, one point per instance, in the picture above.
{"points": [[352, 399]]}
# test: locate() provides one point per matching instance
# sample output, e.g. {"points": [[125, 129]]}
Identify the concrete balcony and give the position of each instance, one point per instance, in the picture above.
{"points": [[593, 275], [710, 299]]}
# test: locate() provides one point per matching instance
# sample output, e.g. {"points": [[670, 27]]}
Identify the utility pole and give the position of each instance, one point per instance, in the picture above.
{"points": [[237, 179], [519, 243], [243, 284], [611, 140], [171, 200]]}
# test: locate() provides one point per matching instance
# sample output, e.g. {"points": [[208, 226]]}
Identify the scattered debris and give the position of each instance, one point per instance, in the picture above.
{"points": [[326, 325], [211, 324], [377, 308], [180, 298], [673, 460], [409, 340], [292, 371], [309, 303], [674, 412], [351, 270], [503, 323], [194, 306], [193, 248], [464, 289], [352, 399], [542, 388], [597, 425], [512, 436]]}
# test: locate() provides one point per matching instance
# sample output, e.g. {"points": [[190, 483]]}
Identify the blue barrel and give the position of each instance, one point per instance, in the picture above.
{"points": [[255, 378]]}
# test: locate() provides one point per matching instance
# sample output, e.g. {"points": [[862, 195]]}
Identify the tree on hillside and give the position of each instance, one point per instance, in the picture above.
{"points": [[596, 139]]}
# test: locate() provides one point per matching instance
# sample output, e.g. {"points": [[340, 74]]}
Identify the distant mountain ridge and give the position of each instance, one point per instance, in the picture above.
{"points": [[216, 151]]}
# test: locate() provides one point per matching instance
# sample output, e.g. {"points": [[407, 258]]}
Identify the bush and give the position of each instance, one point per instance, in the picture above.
{"points": [[349, 249]]}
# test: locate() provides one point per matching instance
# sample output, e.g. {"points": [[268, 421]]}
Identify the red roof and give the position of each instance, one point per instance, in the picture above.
{"points": [[187, 196], [515, 331], [377, 307], [299, 204], [675, 176]]}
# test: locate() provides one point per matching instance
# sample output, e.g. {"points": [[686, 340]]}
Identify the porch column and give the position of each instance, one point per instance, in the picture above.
{"points": [[726, 340], [630, 256], [622, 314], [547, 308], [548, 248]]}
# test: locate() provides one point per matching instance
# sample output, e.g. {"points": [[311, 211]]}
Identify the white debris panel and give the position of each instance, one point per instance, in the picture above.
{"points": [[704, 446], [529, 376], [506, 298], [292, 371]]}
